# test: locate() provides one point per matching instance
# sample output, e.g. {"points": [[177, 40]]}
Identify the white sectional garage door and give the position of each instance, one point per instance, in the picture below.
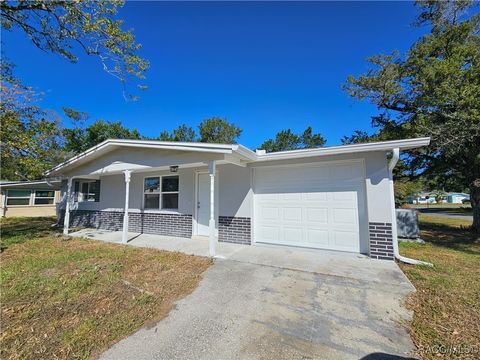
{"points": [[316, 206]]}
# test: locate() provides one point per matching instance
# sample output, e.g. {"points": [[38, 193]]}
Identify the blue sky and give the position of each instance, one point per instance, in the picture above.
{"points": [[264, 66]]}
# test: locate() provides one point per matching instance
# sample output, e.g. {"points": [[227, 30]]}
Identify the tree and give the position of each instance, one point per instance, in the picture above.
{"points": [[358, 136], [183, 133], [405, 188], [218, 130], [80, 138], [30, 138], [287, 140], [66, 27], [434, 91]]}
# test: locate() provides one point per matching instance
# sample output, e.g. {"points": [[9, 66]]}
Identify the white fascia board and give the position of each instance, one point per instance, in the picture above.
{"points": [[165, 145], [346, 149], [245, 152], [28, 183]]}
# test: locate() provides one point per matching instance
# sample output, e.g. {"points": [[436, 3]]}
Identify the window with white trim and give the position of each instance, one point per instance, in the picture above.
{"points": [[161, 192], [44, 197], [87, 191], [19, 197]]}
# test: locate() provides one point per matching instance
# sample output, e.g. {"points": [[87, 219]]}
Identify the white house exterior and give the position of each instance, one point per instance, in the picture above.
{"points": [[457, 198], [336, 198]]}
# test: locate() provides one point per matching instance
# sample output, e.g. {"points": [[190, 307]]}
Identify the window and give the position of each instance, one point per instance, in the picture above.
{"points": [[87, 191], [44, 197], [18, 197], [161, 193]]}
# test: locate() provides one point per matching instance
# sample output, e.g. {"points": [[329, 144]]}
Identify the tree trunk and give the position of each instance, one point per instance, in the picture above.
{"points": [[475, 201]]}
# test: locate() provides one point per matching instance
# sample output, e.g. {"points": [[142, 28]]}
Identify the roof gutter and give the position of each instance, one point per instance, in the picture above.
{"points": [[391, 165]]}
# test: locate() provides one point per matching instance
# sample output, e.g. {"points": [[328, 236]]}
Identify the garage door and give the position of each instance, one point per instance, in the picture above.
{"points": [[316, 206]]}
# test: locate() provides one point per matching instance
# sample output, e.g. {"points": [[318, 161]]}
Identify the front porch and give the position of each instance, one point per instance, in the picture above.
{"points": [[350, 265]]}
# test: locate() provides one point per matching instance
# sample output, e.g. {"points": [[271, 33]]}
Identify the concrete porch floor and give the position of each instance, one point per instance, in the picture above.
{"points": [[348, 265]]}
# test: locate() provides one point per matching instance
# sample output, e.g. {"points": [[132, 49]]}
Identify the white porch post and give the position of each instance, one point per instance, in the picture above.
{"points": [[125, 214], [68, 200], [211, 224]]}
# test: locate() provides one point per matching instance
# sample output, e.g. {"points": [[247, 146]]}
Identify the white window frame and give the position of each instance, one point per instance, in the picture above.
{"points": [[29, 197], [160, 193], [34, 195], [80, 194]]}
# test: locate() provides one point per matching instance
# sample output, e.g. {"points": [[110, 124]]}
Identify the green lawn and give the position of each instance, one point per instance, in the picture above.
{"points": [[447, 302], [72, 299]]}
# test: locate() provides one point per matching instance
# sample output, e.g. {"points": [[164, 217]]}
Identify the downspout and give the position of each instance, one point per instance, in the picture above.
{"points": [[396, 253]]}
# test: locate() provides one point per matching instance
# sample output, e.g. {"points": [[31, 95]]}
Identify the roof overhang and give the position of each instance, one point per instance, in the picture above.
{"points": [[406, 144], [37, 185], [233, 152]]}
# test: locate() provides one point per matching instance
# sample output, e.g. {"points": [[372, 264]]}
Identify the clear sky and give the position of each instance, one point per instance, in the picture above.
{"points": [[264, 66]]}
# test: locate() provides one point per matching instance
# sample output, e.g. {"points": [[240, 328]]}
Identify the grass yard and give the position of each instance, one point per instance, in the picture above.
{"points": [[74, 298], [447, 302]]}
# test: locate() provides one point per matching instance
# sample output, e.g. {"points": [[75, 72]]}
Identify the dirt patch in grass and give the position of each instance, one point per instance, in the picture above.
{"points": [[74, 298], [447, 302]]}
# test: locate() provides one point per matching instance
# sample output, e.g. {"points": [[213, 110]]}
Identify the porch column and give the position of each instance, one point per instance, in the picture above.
{"points": [[211, 223], [68, 200], [125, 214]]}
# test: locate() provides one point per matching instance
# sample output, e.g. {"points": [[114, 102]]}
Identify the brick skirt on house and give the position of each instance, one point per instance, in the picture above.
{"points": [[230, 229], [381, 240], [148, 223]]}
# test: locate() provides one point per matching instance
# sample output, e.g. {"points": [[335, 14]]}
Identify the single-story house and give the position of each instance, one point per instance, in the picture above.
{"points": [[29, 198], [457, 198], [336, 198], [431, 198], [423, 198]]}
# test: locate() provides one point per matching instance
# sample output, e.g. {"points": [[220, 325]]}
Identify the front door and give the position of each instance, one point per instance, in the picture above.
{"points": [[203, 204]]}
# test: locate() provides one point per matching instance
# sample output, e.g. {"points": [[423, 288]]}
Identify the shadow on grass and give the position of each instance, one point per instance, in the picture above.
{"points": [[452, 211], [19, 230], [453, 237]]}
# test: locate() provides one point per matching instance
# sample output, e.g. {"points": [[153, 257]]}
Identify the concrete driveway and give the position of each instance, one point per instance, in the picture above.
{"points": [[244, 310]]}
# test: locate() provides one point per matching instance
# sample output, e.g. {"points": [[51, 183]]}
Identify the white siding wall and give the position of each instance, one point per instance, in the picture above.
{"points": [[235, 192]]}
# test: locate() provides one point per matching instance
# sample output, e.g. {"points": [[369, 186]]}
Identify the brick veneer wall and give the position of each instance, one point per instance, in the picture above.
{"points": [[162, 224], [234, 230], [381, 240], [149, 223]]}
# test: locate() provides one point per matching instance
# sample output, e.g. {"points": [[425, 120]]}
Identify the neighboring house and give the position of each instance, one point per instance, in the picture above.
{"points": [[422, 198], [29, 198], [336, 198], [430, 198], [457, 198]]}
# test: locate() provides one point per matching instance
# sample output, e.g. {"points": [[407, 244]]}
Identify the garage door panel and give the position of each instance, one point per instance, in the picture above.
{"points": [[344, 216], [273, 196], [317, 215], [291, 234], [313, 206], [292, 196], [316, 196], [270, 213], [292, 214], [345, 239], [317, 238], [269, 233]]}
